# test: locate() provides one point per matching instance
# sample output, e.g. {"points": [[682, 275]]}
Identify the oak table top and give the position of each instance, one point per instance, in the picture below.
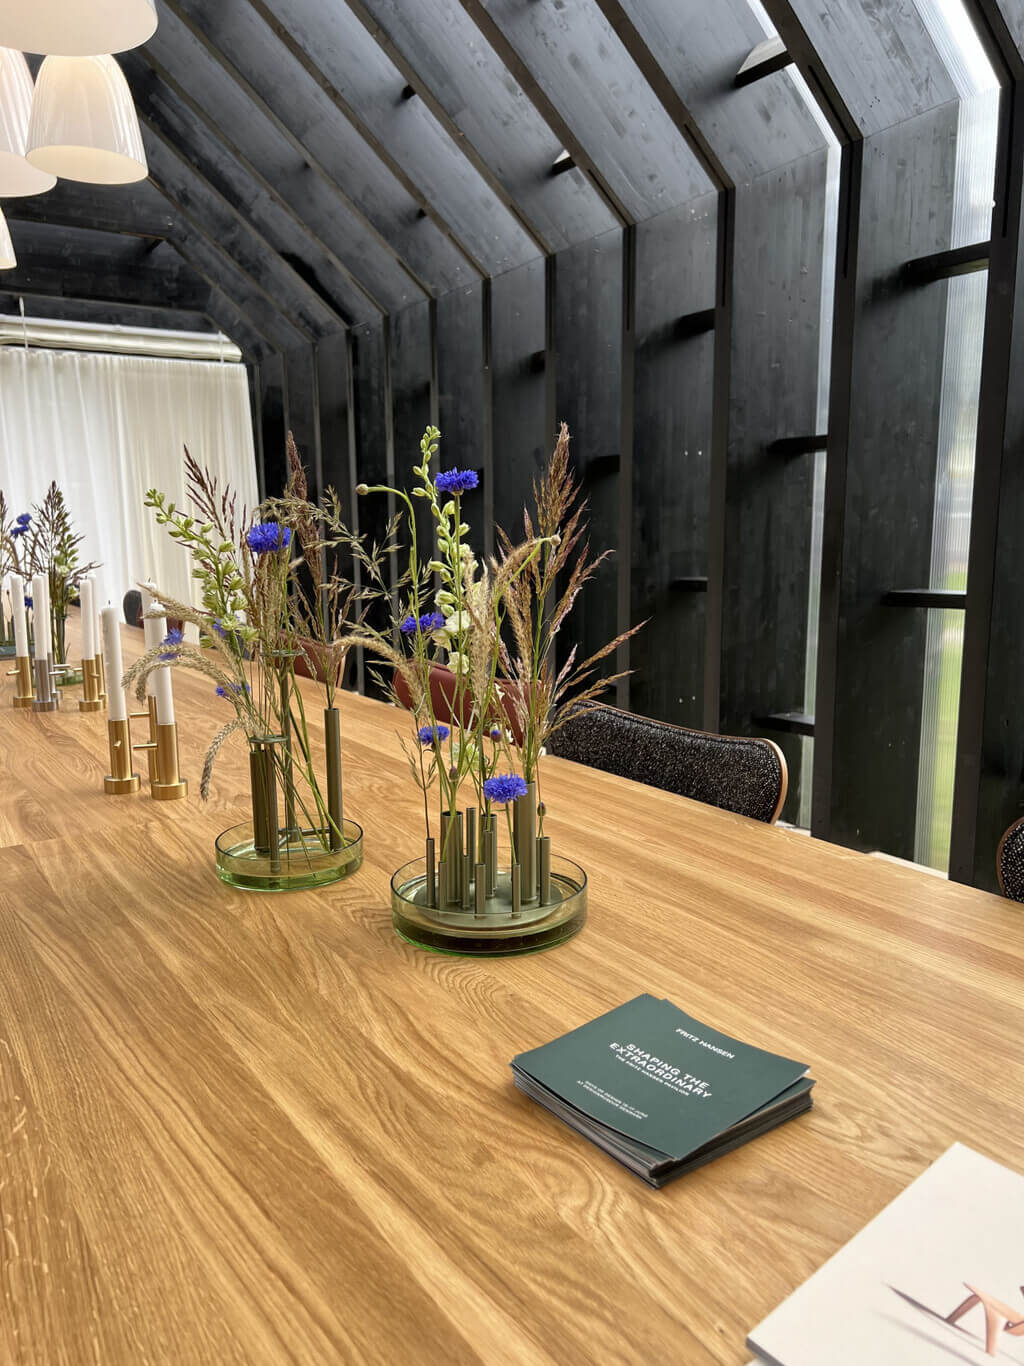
{"points": [[238, 1128]]}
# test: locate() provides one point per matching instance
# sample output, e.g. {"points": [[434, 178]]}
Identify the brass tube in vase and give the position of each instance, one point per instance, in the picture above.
{"points": [[332, 747]]}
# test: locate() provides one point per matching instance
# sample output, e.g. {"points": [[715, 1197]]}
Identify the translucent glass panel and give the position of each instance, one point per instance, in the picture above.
{"points": [[958, 44]]}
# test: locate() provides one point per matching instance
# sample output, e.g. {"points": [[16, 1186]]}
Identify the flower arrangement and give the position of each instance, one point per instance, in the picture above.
{"points": [[472, 656], [44, 541], [273, 595]]}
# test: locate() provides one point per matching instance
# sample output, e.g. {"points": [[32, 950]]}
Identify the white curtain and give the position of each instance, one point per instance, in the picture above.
{"points": [[108, 428]]}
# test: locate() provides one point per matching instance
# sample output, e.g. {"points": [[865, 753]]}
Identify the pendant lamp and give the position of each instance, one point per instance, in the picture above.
{"points": [[76, 28], [7, 257], [84, 125], [17, 176]]}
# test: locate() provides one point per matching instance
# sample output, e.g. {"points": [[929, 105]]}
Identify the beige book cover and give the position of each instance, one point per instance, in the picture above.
{"points": [[936, 1279]]}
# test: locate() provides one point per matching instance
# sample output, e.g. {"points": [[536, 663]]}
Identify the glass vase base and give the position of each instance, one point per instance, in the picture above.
{"points": [[71, 678], [8, 650], [497, 932], [302, 860]]}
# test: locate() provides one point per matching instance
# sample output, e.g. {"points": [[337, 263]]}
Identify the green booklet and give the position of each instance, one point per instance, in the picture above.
{"points": [[660, 1091]]}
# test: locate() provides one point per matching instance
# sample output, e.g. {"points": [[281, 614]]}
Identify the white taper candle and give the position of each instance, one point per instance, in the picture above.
{"points": [[160, 678], [118, 707], [20, 622], [88, 614]]}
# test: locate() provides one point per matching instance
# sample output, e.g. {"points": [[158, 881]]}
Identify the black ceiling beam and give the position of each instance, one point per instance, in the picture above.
{"points": [[136, 210], [689, 55], [670, 98], [99, 266], [493, 119], [369, 15], [814, 71], [883, 70], [221, 273], [228, 69], [91, 208], [255, 228], [359, 78], [547, 109], [233, 235], [103, 314]]}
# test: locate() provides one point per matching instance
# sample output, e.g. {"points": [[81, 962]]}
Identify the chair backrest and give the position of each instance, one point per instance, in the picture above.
{"points": [[736, 773], [132, 607], [1010, 863]]}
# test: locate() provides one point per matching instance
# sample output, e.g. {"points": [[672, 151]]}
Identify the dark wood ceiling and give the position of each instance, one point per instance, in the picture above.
{"points": [[318, 164]]}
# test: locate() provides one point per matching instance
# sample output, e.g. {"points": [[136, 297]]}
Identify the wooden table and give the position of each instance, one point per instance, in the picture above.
{"points": [[242, 1128]]}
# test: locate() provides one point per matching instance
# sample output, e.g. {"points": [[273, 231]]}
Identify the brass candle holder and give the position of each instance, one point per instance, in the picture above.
{"points": [[46, 698], [22, 671], [169, 785], [150, 747], [90, 699], [120, 780], [101, 678]]}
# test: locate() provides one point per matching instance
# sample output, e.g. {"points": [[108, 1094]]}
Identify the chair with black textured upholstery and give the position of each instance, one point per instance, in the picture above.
{"points": [[737, 773], [1010, 862], [132, 606]]}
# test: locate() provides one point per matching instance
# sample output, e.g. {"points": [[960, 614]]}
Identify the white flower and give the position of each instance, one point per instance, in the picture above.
{"points": [[457, 623], [458, 662]]}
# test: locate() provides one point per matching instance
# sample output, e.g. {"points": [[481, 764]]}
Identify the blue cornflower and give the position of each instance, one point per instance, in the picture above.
{"points": [[18, 531], [495, 732], [173, 637], [236, 688], [505, 787], [28, 602], [23, 518], [432, 621], [430, 735], [456, 481], [265, 537]]}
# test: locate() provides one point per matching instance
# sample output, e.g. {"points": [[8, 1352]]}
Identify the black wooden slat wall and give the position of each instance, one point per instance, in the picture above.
{"points": [[521, 436], [880, 493], [461, 393], [766, 499], [588, 392], [671, 459]]}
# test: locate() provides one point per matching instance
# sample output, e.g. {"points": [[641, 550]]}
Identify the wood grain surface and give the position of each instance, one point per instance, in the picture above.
{"points": [[257, 1129]]}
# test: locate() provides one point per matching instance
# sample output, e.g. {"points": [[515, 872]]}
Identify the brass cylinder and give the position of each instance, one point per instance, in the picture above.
{"points": [[287, 762], [517, 900], [525, 828], [431, 862], [479, 889], [90, 699], [471, 833], [168, 786], [257, 793], [120, 780], [151, 755], [101, 677], [273, 822], [332, 747], [467, 882], [23, 695], [455, 875], [544, 869]]}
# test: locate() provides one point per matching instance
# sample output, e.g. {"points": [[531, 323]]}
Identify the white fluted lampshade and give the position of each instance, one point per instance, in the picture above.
{"points": [[17, 175], [84, 125], [7, 257], [76, 28]]}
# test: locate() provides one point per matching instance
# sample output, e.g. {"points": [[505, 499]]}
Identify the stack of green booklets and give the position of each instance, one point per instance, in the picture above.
{"points": [[661, 1092]]}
